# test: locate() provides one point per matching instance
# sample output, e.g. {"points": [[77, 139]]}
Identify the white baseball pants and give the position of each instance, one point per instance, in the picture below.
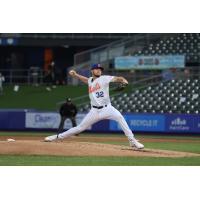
{"points": [[96, 115]]}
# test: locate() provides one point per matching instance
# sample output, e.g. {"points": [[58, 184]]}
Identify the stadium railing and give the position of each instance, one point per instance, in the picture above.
{"points": [[33, 75], [120, 47], [67, 35]]}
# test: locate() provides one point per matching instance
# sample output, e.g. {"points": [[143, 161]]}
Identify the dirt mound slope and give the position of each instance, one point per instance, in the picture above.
{"points": [[33, 146]]}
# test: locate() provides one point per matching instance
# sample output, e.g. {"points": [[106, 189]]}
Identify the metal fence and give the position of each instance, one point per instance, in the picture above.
{"points": [[67, 35], [137, 75], [33, 75]]}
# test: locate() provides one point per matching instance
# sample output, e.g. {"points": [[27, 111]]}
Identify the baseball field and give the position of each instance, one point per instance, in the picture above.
{"points": [[90, 149]]}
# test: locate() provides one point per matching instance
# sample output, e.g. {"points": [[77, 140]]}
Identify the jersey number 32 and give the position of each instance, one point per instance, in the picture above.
{"points": [[99, 94]]}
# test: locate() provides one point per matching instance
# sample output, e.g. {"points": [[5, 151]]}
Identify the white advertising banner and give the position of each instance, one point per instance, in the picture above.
{"points": [[150, 62], [49, 120]]}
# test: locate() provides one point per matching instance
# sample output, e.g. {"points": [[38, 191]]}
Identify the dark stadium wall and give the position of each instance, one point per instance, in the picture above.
{"points": [[23, 57]]}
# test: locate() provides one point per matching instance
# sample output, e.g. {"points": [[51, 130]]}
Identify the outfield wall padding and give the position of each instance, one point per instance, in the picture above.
{"points": [[35, 120]]}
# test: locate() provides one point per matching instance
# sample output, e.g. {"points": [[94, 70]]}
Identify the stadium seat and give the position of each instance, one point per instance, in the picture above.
{"points": [[175, 96], [184, 44]]}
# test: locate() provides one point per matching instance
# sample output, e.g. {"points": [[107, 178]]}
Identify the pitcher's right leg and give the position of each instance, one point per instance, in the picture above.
{"points": [[90, 119]]}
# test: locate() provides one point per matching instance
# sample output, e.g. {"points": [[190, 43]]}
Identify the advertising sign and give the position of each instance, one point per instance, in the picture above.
{"points": [[142, 122], [149, 62], [48, 120], [183, 123], [197, 124]]}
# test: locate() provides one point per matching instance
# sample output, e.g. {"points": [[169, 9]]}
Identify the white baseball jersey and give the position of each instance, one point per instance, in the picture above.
{"points": [[99, 90]]}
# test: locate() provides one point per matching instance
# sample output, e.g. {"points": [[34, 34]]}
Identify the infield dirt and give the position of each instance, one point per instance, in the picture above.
{"points": [[80, 146]]}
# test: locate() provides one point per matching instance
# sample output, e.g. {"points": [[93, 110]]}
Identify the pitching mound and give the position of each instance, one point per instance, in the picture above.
{"points": [[80, 148]]}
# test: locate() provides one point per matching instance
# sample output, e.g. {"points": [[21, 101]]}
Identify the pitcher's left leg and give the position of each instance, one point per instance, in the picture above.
{"points": [[117, 116]]}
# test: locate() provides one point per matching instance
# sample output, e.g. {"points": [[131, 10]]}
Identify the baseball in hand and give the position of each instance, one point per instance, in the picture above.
{"points": [[72, 72]]}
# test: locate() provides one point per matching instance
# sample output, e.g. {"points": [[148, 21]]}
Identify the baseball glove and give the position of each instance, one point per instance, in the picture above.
{"points": [[120, 87]]}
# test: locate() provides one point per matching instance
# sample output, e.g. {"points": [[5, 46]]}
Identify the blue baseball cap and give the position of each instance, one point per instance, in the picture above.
{"points": [[96, 66]]}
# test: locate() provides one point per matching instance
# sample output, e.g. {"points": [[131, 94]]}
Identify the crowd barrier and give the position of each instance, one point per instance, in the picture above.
{"points": [[162, 123]]}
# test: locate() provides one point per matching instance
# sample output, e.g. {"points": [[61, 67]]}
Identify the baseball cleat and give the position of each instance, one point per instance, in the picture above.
{"points": [[51, 138], [134, 143]]}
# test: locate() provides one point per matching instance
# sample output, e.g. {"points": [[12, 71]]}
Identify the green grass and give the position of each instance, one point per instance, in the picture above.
{"points": [[177, 137], [39, 97], [96, 161], [36, 133], [186, 147], [85, 134]]}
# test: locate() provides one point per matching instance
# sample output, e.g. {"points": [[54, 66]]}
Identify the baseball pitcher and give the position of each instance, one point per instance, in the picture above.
{"points": [[101, 108]]}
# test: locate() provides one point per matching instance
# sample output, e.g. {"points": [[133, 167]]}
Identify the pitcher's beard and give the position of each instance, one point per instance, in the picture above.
{"points": [[97, 76]]}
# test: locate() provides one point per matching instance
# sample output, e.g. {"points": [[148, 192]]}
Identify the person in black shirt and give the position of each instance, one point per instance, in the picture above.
{"points": [[67, 110]]}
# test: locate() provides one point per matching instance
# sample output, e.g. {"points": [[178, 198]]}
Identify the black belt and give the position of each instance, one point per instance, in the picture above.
{"points": [[100, 107]]}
